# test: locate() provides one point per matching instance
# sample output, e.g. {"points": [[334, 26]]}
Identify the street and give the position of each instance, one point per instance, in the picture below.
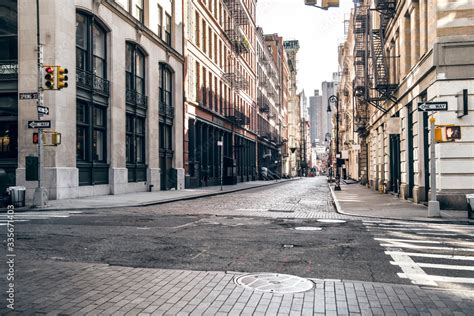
{"points": [[289, 228]]}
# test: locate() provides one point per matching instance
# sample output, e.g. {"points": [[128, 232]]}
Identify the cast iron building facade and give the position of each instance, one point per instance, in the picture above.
{"points": [[220, 91]]}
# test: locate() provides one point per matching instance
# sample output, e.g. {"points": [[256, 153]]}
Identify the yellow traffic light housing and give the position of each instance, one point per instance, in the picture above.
{"points": [[62, 77], [325, 4], [49, 77]]}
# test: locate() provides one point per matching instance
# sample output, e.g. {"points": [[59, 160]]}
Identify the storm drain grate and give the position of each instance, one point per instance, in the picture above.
{"points": [[274, 283]]}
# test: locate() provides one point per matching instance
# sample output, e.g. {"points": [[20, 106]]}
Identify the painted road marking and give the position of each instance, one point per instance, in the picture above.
{"points": [[435, 266], [438, 278], [431, 255], [426, 241], [406, 245], [411, 269]]}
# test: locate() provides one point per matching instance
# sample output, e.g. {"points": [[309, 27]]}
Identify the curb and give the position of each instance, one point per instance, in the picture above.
{"points": [[436, 221], [164, 201]]}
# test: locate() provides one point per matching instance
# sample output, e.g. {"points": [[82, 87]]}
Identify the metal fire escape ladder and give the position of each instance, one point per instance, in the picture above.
{"points": [[382, 84], [361, 68], [233, 26]]}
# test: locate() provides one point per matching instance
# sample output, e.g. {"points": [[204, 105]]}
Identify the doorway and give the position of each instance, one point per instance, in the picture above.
{"points": [[395, 174]]}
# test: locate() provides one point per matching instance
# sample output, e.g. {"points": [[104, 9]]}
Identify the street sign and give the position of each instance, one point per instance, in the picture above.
{"points": [[28, 96], [432, 106], [220, 143], [39, 124], [43, 110]]}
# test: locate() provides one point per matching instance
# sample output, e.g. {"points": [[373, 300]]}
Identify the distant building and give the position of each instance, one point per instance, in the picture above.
{"points": [[314, 111]]}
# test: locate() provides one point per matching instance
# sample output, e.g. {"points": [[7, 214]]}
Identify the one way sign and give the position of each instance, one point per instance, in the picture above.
{"points": [[39, 124], [43, 110], [433, 106]]}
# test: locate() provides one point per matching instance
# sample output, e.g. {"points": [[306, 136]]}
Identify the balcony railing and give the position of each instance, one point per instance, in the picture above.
{"points": [[135, 98], [8, 69], [166, 110], [239, 41], [238, 118], [91, 82]]}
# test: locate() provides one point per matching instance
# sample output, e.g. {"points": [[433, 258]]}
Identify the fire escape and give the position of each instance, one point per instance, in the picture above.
{"points": [[381, 81], [372, 82], [233, 26], [361, 21]]}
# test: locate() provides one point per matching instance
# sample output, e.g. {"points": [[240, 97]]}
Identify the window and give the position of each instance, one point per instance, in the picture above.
{"points": [[135, 68], [204, 29], [8, 31], [138, 10], [91, 43], [8, 126], [160, 21], [91, 111], [198, 33], [166, 96], [135, 123], [168, 30]]}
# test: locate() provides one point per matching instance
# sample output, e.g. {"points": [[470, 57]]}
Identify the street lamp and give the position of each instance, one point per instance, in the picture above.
{"points": [[335, 99]]}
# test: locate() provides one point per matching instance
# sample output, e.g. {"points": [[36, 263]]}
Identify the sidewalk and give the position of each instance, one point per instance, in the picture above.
{"points": [[151, 198], [52, 287], [357, 200]]}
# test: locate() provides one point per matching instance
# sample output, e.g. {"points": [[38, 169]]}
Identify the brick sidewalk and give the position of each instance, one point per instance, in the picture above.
{"points": [[53, 287]]}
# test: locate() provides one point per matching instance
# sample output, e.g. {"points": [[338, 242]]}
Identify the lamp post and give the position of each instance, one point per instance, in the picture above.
{"points": [[335, 99]]}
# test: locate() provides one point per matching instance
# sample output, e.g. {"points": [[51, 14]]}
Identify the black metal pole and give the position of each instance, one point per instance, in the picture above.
{"points": [[337, 186]]}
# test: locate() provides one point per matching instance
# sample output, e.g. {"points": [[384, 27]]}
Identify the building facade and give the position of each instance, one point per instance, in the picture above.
{"points": [[120, 118], [270, 118], [220, 92], [294, 110], [275, 46], [404, 54]]}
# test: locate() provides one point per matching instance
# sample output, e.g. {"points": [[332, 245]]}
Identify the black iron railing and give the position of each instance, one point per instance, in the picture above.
{"points": [[91, 82]]}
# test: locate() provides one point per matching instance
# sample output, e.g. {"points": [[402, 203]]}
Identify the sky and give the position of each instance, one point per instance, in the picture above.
{"points": [[318, 31]]}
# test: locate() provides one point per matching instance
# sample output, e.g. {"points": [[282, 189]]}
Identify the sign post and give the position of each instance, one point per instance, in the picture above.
{"points": [[220, 143], [433, 204]]}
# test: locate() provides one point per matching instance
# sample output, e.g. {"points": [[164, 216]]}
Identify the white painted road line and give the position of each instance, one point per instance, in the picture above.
{"points": [[438, 278], [435, 266], [421, 241], [430, 255], [411, 269], [409, 246]]}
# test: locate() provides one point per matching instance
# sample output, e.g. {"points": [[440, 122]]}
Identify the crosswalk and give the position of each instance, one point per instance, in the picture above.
{"points": [[39, 215], [428, 254]]}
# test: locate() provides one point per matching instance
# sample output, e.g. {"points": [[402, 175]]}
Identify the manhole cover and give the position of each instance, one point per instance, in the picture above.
{"points": [[331, 221], [274, 283], [308, 228]]}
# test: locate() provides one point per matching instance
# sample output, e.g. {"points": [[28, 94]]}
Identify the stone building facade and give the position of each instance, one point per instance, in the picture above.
{"points": [[121, 117], [406, 53]]}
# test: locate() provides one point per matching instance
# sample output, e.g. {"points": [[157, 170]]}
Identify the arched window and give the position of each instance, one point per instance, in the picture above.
{"points": [[135, 112], [92, 99], [166, 110]]}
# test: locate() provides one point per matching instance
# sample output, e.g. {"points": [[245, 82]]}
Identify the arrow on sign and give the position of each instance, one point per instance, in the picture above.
{"points": [[39, 124], [43, 110], [433, 106]]}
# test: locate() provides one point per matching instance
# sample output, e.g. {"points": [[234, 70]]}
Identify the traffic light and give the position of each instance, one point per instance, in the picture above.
{"points": [[49, 72], [62, 77], [35, 138], [329, 4]]}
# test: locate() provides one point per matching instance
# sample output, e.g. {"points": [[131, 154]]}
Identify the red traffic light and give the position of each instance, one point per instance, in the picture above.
{"points": [[49, 77], [35, 138]]}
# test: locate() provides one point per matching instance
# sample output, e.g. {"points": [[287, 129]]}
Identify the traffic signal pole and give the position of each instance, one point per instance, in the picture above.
{"points": [[40, 196], [433, 204]]}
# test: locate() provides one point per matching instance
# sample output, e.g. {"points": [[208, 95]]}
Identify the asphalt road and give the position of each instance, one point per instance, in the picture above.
{"points": [[248, 231]]}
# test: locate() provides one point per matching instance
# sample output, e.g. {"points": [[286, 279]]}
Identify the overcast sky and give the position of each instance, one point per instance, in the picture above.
{"points": [[318, 32]]}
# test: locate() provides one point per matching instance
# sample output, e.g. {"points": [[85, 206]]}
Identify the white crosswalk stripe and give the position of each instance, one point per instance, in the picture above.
{"points": [[29, 216], [429, 254]]}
